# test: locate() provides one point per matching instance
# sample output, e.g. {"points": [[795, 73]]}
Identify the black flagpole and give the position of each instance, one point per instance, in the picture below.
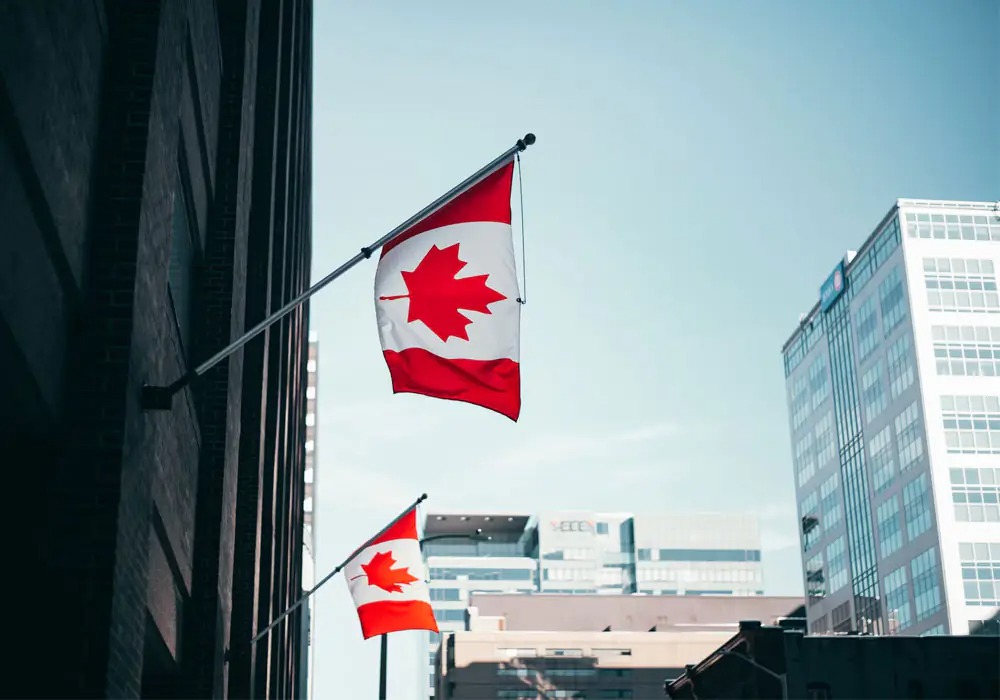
{"points": [[381, 669], [161, 398]]}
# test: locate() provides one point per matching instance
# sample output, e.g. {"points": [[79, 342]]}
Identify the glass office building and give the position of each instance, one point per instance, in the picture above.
{"points": [[893, 386], [585, 553]]}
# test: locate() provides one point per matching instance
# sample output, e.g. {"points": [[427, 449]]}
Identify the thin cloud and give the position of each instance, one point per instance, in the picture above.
{"points": [[574, 447]]}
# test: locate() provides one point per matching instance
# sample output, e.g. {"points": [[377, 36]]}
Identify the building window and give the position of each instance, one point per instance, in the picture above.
{"points": [[600, 653], [976, 494], [909, 437], [883, 459], [890, 533], [805, 459], [809, 507], [936, 630], [830, 500], [645, 554], [873, 392], [709, 555], [892, 299], [971, 424], [840, 616], [981, 573], [961, 284], [901, 366], [866, 322], [445, 594], [836, 565], [826, 441], [183, 258], [967, 351], [449, 615], [952, 227], [819, 381], [897, 600], [576, 653], [917, 507], [815, 577], [602, 528], [801, 402], [926, 583]]}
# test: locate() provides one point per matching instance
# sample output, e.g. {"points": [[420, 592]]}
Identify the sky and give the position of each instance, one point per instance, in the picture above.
{"points": [[700, 168]]}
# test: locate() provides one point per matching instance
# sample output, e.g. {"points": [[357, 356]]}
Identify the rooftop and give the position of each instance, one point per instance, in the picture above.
{"points": [[900, 204]]}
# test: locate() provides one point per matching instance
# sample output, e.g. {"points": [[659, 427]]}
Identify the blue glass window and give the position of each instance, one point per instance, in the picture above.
{"points": [[836, 564], [897, 600], [805, 459], [709, 555], [830, 500], [883, 459], [926, 583], [819, 381], [981, 573], [867, 325], [901, 365], [909, 437], [892, 297], [873, 392], [917, 507], [890, 533]]}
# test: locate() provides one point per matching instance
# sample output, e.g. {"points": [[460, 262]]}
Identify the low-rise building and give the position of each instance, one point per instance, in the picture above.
{"points": [[528, 647]]}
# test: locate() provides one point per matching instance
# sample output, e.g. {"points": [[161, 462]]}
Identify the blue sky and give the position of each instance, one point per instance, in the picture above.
{"points": [[700, 168]]}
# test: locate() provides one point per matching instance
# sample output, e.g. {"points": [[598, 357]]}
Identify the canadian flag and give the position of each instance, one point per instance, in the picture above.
{"points": [[387, 582], [446, 301]]}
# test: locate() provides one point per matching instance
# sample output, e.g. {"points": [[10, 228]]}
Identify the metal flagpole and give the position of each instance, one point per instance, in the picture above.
{"points": [[305, 596], [382, 668], [160, 398]]}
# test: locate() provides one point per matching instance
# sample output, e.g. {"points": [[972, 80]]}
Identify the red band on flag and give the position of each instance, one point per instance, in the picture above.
{"points": [[395, 616], [489, 200], [493, 384], [403, 529]]}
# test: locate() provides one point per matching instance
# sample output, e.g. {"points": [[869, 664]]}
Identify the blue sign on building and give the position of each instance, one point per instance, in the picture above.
{"points": [[832, 288]]}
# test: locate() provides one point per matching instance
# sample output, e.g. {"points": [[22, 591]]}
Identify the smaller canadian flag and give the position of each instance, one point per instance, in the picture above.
{"points": [[387, 582]]}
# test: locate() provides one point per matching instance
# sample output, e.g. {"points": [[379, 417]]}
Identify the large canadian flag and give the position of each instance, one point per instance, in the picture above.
{"points": [[387, 582], [446, 301]]}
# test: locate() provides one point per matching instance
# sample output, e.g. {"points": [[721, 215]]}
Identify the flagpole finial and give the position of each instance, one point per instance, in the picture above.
{"points": [[528, 139], [423, 497]]}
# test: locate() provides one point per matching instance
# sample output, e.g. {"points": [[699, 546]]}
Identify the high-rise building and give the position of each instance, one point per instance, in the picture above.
{"points": [[583, 552], [893, 381], [154, 199], [309, 518]]}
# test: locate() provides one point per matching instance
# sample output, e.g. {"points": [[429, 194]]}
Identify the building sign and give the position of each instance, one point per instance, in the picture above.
{"points": [[832, 288], [572, 525]]}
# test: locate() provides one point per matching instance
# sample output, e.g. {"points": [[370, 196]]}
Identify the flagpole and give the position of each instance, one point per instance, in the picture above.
{"points": [[160, 398], [382, 668], [305, 596]]}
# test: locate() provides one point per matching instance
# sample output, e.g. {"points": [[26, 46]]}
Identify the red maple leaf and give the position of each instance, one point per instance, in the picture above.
{"points": [[436, 296], [380, 573]]}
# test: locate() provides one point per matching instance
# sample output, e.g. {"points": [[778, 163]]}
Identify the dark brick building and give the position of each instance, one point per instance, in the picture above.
{"points": [[154, 202], [774, 662]]}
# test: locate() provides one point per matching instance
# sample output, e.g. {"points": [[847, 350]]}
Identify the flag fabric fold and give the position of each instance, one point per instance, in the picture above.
{"points": [[446, 301], [388, 583]]}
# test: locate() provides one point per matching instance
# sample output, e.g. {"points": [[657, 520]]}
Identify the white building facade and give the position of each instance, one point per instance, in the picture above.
{"points": [[893, 382]]}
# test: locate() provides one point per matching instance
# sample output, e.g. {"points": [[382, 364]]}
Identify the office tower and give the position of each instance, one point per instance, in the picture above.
{"points": [[155, 170], [893, 382], [583, 552]]}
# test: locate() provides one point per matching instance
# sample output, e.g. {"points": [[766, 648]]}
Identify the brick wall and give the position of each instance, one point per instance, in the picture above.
{"points": [[138, 535]]}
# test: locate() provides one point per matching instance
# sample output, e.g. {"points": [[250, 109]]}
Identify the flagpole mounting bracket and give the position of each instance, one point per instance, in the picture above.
{"points": [[367, 252]]}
